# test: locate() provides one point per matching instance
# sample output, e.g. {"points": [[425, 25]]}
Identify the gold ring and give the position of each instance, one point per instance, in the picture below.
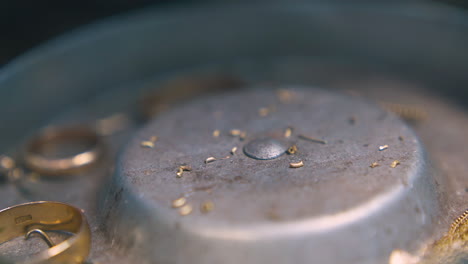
{"points": [[18, 220], [36, 159]]}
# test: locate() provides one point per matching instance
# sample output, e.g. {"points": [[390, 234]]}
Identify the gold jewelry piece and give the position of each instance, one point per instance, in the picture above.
{"points": [[37, 217], [37, 161]]}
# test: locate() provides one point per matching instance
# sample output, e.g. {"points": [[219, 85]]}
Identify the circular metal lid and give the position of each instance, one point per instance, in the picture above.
{"points": [[349, 165]]}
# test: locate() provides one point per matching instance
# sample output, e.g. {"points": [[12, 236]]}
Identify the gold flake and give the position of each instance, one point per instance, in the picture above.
{"points": [[235, 132], [288, 132], [374, 164], [185, 210], [209, 160], [181, 169], [395, 163], [296, 164], [179, 202], [285, 96], [233, 150], [147, 144], [384, 147], [6, 162], [263, 112], [216, 133], [311, 139], [207, 207], [292, 150]]}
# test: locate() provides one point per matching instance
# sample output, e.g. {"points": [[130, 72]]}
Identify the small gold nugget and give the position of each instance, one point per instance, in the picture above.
{"points": [[234, 150], [296, 164], [384, 147], [207, 207], [185, 210], [395, 163], [288, 132], [374, 164], [292, 150], [179, 202], [181, 170], [210, 159], [147, 144], [6, 162], [216, 133], [263, 112]]}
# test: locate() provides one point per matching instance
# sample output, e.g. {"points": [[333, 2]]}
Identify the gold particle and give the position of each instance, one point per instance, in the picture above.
{"points": [[263, 112], [209, 160], [374, 164], [235, 132], [296, 164], [233, 150], [395, 163], [185, 210], [288, 132], [216, 133], [147, 144], [311, 139], [179, 202], [207, 207], [181, 169], [292, 149], [6, 162], [285, 96], [384, 147]]}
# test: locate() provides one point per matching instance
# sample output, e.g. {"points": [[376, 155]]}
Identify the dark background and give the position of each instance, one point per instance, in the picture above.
{"points": [[25, 24]]}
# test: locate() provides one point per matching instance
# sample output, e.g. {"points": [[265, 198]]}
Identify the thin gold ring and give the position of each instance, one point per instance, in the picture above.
{"points": [[18, 220], [36, 160]]}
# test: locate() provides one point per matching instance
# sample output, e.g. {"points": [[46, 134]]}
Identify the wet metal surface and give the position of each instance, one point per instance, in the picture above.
{"points": [[265, 148]]}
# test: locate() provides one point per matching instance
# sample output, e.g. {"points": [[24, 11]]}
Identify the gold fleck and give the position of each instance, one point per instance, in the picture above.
{"points": [[216, 133], [296, 164], [395, 163], [6, 162], [147, 144], [288, 132], [181, 169], [235, 132], [384, 147], [179, 202], [185, 168], [285, 96], [185, 210], [263, 112], [311, 139], [207, 207], [209, 160], [292, 149], [374, 164], [233, 150]]}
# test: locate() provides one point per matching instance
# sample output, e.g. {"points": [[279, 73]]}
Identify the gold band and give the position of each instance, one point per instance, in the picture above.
{"points": [[17, 220], [37, 161]]}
